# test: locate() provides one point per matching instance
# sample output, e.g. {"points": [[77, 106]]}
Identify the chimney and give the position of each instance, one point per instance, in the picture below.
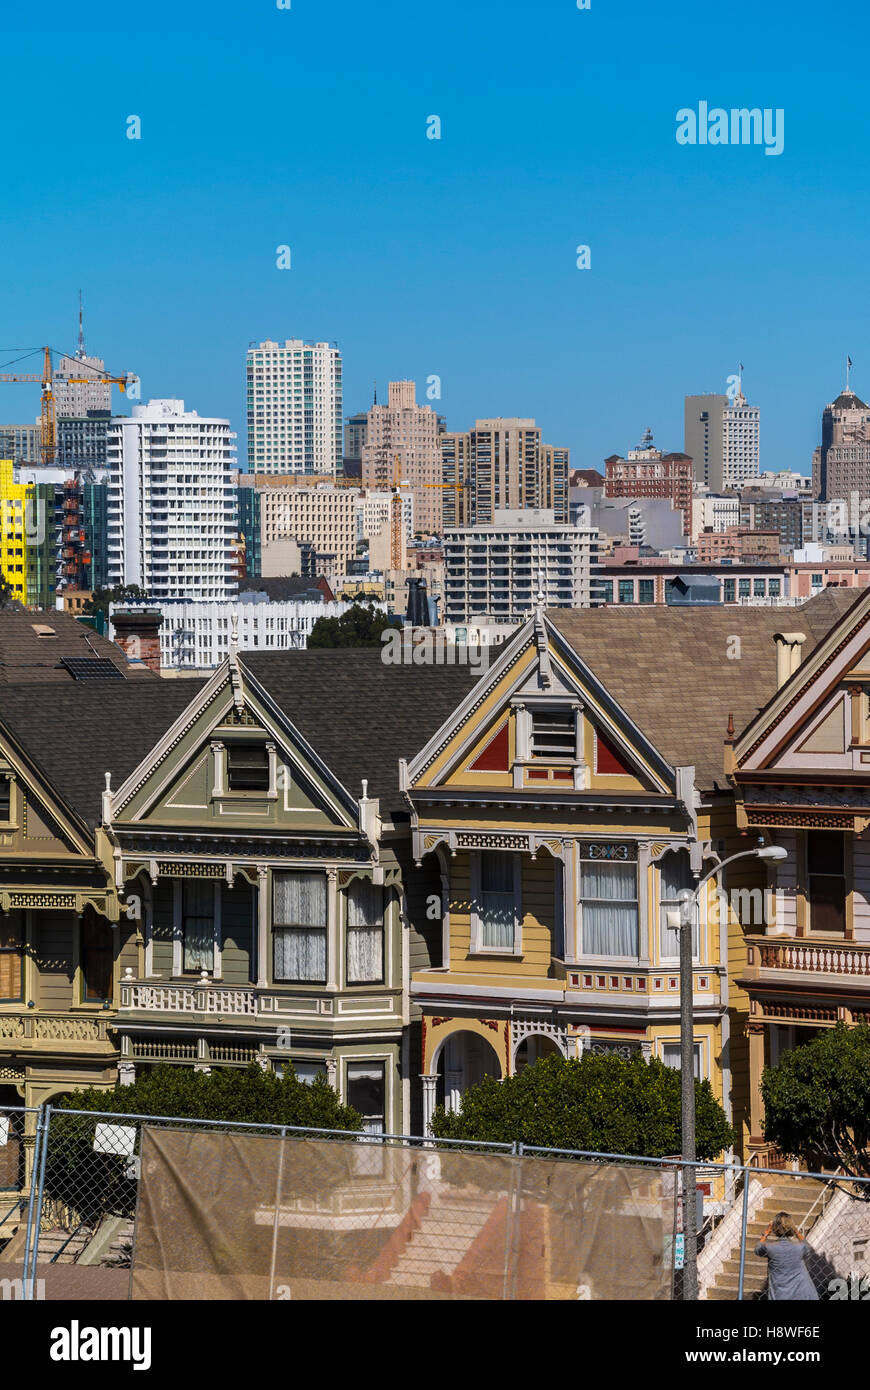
{"points": [[137, 633], [788, 654]]}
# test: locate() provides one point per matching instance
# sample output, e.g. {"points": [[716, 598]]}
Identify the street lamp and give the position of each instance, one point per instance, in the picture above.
{"points": [[683, 919]]}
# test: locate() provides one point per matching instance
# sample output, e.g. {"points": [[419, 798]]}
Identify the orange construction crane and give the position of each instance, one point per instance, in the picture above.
{"points": [[48, 420]]}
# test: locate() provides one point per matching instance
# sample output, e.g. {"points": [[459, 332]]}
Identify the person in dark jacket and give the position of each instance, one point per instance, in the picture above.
{"points": [[783, 1246]]}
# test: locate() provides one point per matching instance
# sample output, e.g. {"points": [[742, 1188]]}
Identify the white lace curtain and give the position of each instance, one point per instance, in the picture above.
{"points": [[675, 877], [299, 921], [198, 924], [497, 902], [365, 931], [608, 906]]}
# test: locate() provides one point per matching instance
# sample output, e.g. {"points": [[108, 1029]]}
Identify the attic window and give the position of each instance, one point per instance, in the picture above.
{"points": [[247, 767], [5, 797], [43, 630], [554, 733]]}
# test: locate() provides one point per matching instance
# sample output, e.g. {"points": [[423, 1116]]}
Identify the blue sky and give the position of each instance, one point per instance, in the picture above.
{"points": [[307, 127]]}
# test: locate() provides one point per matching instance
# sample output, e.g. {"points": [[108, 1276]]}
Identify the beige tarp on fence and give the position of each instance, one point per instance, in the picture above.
{"points": [[240, 1216]]}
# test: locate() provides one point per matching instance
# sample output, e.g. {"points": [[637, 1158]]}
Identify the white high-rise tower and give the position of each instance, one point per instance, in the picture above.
{"points": [[294, 408]]}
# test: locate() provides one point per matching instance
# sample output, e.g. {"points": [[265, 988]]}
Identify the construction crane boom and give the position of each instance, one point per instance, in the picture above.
{"points": [[48, 415]]}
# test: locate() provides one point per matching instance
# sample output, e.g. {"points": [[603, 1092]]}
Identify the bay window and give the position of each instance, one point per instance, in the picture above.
{"points": [[365, 932], [826, 881], [496, 910], [675, 881], [299, 922], [608, 907], [197, 924]]}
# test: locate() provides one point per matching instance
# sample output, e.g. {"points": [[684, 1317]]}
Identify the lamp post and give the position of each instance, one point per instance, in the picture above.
{"points": [[685, 921]]}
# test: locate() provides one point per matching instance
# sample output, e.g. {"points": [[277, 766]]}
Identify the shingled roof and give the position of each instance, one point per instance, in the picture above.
{"points": [[670, 670], [76, 733], [360, 714], [33, 644]]}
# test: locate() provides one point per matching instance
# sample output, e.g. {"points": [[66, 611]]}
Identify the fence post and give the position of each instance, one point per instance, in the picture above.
{"points": [[34, 1205], [31, 1199], [278, 1194], [743, 1226]]}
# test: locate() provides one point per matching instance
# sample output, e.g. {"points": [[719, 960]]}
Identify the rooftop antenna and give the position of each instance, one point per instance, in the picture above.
{"points": [[848, 370], [80, 350], [375, 401]]}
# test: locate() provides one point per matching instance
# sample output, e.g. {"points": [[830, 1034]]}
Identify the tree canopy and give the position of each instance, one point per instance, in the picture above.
{"points": [[603, 1104], [817, 1100], [360, 626]]}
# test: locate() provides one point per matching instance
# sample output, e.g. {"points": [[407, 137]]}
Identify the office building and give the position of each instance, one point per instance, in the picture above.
{"points": [[495, 572], [172, 504], [647, 472], [294, 408], [841, 463], [402, 446], [721, 436], [501, 464]]}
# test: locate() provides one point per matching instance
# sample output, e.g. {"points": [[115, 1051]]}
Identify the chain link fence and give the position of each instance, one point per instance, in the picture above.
{"points": [[199, 1209]]}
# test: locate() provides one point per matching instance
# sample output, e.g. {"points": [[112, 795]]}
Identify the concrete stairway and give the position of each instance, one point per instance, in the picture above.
{"points": [[446, 1233], [781, 1194]]}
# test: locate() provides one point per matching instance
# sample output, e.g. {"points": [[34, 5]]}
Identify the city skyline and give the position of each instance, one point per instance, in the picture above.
{"points": [[454, 257]]}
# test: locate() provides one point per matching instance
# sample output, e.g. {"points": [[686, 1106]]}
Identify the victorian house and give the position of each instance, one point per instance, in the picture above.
{"points": [[801, 774], [568, 801]]}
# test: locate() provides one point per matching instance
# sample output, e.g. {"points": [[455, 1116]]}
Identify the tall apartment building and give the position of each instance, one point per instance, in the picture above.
{"points": [[647, 472], [401, 445], [355, 427], [500, 465], [294, 408], [722, 438], [172, 507], [841, 463], [493, 573]]}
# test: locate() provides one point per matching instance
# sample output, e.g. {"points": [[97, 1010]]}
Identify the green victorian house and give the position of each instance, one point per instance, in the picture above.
{"points": [[247, 844]]}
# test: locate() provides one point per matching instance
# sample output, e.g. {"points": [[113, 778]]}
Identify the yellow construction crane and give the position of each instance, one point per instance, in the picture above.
{"points": [[48, 417]]}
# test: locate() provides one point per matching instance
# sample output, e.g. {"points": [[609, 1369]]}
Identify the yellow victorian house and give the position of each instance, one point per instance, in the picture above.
{"points": [[568, 802]]}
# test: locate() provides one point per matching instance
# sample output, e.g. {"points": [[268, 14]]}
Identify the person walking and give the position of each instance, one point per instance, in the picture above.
{"points": [[786, 1250]]}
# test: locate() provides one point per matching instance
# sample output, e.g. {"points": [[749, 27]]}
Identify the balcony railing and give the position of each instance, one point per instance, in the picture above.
{"points": [[809, 957], [204, 997]]}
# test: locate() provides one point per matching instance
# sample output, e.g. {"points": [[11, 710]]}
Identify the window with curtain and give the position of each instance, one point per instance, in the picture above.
{"points": [[608, 908], [299, 923], [675, 877], [11, 956], [197, 924], [96, 956], [366, 1092], [497, 906], [671, 1057], [365, 932]]}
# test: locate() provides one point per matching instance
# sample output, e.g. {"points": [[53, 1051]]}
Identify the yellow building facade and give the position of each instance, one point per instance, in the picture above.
{"points": [[13, 537], [564, 836]]}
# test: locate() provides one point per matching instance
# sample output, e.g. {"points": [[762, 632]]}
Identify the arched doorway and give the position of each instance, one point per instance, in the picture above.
{"points": [[532, 1048], [464, 1059]]}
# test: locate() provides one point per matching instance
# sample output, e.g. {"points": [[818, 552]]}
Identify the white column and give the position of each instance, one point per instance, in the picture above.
{"points": [[262, 924], [126, 1073], [332, 907], [429, 1084]]}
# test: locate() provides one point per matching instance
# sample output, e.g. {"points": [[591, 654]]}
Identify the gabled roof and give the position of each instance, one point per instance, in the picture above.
{"points": [[360, 714], [78, 732], [670, 670], [33, 645]]}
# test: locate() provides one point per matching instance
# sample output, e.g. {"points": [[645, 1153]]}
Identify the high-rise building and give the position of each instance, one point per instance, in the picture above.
{"points": [[721, 437], [172, 507], [294, 408], [249, 525], [841, 463], [21, 443], [78, 397], [501, 464], [355, 435], [647, 472], [81, 441], [401, 445], [493, 573]]}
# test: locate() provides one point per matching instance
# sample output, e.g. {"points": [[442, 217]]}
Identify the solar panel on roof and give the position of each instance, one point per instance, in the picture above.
{"points": [[90, 668]]}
